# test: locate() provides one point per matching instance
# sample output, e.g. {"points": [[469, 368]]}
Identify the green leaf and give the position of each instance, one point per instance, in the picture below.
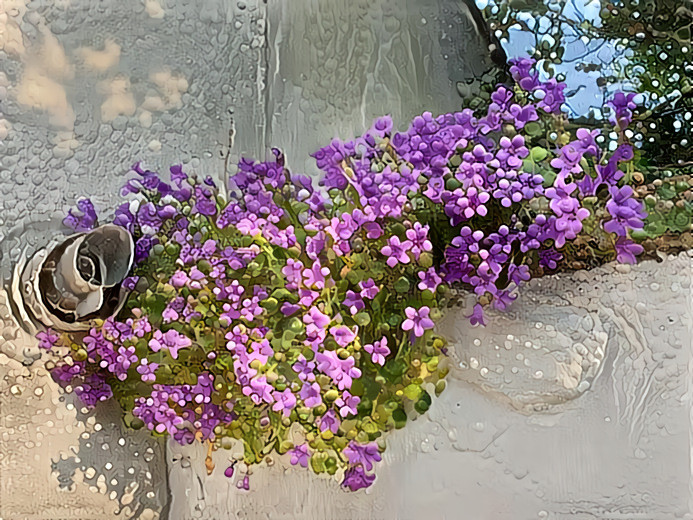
{"points": [[534, 129], [423, 404], [412, 391], [538, 153], [402, 285], [362, 319], [400, 418]]}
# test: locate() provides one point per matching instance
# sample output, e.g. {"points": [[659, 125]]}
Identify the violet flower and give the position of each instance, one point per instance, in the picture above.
{"points": [[396, 251], [355, 478], [146, 370], [417, 320], [300, 455], [343, 335], [310, 394], [378, 351]]}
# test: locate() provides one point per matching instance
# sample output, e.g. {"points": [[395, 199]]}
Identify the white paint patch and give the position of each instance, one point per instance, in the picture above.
{"points": [[11, 37], [153, 9]]}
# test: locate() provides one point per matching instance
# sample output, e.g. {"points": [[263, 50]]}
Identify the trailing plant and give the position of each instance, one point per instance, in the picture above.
{"points": [[300, 320]]}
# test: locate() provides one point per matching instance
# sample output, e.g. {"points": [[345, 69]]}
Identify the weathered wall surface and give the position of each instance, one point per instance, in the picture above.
{"points": [[86, 89], [334, 66]]}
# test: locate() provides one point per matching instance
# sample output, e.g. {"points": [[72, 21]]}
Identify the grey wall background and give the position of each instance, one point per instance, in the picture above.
{"points": [[575, 404]]}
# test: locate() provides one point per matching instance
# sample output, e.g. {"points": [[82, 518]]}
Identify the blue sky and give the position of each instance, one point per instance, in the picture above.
{"points": [[582, 90]]}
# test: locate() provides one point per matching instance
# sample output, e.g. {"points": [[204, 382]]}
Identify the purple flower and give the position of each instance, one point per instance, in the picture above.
{"points": [[364, 454], [315, 276], [204, 201], [549, 258], [142, 247], [170, 340], [304, 368], [417, 320], [354, 302], [285, 402], [177, 174], [343, 335], [429, 280], [147, 369], [418, 236], [148, 218], [477, 316], [125, 357], [83, 218], [382, 125], [627, 250], [347, 403], [568, 211], [355, 478], [329, 421], [310, 394], [623, 106], [300, 455], [378, 351], [287, 309], [130, 282], [627, 212], [47, 338], [369, 289], [93, 389], [396, 251]]}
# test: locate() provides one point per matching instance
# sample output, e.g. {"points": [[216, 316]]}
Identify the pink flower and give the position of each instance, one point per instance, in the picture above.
{"points": [[285, 402], [147, 369], [396, 251], [343, 335], [315, 276], [341, 371], [171, 340], [259, 390], [417, 320], [179, 279], [292, 270], [347, 403], [47, 338], [300, 455], [317, 318], [378, 351], [310, 393]]}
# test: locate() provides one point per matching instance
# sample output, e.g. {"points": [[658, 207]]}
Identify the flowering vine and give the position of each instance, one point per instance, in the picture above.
{"points": [[300, 320]]}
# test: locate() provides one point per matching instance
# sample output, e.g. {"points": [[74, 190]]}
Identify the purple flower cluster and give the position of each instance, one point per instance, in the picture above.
{"points": [[185, 412], [285, 305], [83, 218]]}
